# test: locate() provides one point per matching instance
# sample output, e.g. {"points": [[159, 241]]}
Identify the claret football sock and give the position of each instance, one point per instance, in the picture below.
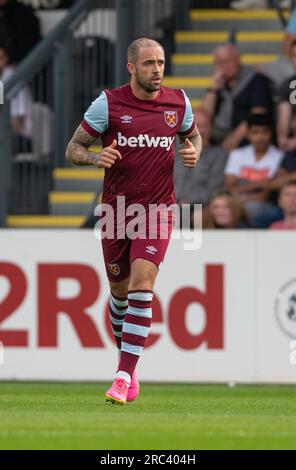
{"points": [[135, 329], [117, 310]]}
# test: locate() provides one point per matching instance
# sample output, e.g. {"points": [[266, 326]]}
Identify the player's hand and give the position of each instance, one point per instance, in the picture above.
{"points": [[108, 156], [189, 154]]}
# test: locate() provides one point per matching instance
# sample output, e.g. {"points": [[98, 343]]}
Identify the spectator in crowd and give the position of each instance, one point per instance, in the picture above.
{"points": [[19, 26], [282, 68], [237, 91], [286, 172], [20, 106], [225, 210], [249, 170], [198, 184], [287, 201], [286, 123], [291, 26]]}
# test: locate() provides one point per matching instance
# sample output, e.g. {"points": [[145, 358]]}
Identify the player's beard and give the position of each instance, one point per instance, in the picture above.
{"points": [[148, 85]]}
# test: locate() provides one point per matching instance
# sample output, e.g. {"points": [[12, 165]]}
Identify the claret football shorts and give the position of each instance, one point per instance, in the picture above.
{"points": [[146, 236]]}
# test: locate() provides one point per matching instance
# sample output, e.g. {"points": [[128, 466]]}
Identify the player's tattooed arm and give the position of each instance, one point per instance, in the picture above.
{"points": [[190, 153], [77, 151]]}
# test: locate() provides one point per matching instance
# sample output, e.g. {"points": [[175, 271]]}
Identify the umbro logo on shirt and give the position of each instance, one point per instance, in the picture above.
{"points": [[126, 119], [144, 140]]}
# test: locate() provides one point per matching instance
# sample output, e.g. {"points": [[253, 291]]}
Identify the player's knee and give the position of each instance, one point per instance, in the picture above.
{"points": [[141, 285], [119, 289], [142, 281]]}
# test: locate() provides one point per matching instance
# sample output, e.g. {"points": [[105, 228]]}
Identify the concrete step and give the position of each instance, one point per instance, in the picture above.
{"points": [[78, 179], [194, 87], [247, 20], [254, 42], [201, 65], [72, 203], [44, 221]]}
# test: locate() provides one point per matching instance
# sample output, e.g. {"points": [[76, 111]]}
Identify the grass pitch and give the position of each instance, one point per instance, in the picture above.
{"points": [[75, 416]]}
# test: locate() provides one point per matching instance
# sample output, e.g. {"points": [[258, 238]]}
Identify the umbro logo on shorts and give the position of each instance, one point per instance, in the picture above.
{"points": [[114, 269], [144, 140], [151, 250]]}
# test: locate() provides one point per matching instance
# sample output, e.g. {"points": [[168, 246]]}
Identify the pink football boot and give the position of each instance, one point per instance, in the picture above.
{"points": [[134, 388], [117, 393]]}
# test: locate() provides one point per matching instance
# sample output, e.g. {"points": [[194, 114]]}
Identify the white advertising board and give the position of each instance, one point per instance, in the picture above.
{"points": [[225, 312]]}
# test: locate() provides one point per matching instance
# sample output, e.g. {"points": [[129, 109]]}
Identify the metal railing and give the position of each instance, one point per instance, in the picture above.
{"points": [[281, 10], [55, 83]]}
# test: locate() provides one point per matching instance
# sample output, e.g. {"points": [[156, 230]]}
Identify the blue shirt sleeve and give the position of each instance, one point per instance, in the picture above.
{"points": [[188, 119], [291, 26], [97, 115]]}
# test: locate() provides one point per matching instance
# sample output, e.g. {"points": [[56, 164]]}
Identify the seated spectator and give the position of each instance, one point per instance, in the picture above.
{"points": [[196, 185], [291, 26], [20, 106], [225, 210], [282, 68], [249, 169], [20, 27], [286, 125], [237, 91], [287, 201], [286, 172]]}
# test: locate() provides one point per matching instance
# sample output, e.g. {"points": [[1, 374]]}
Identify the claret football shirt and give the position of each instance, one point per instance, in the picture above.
{"points": [[145, 131]]}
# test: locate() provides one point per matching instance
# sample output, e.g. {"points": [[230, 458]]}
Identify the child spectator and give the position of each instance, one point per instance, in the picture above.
{"points": [[225, 210], [249, 170], [287, 201]]}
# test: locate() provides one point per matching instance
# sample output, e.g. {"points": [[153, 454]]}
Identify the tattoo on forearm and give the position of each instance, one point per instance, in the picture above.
{"points": [[77, 151]]}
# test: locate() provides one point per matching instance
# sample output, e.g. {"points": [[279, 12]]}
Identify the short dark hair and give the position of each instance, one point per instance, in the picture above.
{"points": [[260, 119], [137, 44]]}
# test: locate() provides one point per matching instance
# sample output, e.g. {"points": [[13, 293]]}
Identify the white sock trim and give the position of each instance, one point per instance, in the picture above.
{"points": [[121, 374], [143, 296], [116, 310], [119, 303]]}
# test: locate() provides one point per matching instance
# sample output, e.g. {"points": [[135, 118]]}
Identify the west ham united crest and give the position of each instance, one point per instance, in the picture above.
{"points": [[171, 118], [114, 269]]}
